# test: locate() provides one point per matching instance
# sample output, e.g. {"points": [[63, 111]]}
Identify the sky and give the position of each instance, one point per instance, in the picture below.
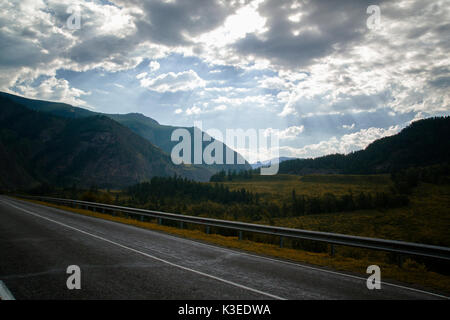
{"points": [[329, 76]]}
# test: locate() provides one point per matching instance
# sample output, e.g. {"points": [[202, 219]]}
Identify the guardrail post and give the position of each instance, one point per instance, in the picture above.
{"points": [[208, 230], [281, 241], [142, 218], [332, 252], [181, 225], [159, 221], [400, 259], [240, 235]]}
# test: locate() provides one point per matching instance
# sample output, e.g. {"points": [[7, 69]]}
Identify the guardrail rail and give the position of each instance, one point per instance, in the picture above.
{"points": [[394, 246]]}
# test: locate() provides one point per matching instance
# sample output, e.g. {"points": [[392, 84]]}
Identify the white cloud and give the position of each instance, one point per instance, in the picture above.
{"points": [[141, 75], [258, 100], [245, 20], [174, 82], [54, 89], [154, 66], [221, 107], [348, 126], [193, 110], [274, 83], [289, 133]]}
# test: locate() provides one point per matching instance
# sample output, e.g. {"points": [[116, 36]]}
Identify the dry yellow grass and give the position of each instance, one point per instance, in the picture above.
{"points": [[279, 187], [410, 272], [426, 220]]}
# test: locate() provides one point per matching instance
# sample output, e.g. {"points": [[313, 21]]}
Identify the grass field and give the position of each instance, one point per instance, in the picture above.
{"points": [[279, 187], [425, 220]]}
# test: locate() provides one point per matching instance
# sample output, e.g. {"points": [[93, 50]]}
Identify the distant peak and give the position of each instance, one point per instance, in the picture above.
{"points": [[138, 115]]}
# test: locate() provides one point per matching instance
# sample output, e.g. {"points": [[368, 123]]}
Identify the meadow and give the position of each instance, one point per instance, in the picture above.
{"points": [[426, 219], [279, 187]]}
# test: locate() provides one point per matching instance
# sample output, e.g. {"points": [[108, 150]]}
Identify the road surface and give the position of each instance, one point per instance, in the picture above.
{"points": [[117, 261]]}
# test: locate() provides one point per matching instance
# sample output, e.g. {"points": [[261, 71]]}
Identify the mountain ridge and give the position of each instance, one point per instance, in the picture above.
{"points": [[422, 143]]}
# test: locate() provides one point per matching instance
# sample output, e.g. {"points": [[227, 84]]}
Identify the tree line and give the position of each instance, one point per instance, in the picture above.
{"points": [[232, 175], [182, 189], [300, 205], [407, 179]]}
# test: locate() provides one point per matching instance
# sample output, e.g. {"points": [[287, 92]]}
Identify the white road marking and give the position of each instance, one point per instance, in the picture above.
{"points": [[5, 294], [286, 262], [322, 270], [150, 256]]}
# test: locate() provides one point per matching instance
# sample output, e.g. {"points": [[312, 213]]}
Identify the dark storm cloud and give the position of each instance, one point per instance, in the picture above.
{"points": [[441, 82], [324, 27], [97, 49], [170, 22], [17, 52]]}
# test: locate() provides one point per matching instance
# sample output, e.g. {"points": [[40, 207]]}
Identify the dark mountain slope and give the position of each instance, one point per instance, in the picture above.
{"points": [[40, 147], [424, 142], [55, 108]]}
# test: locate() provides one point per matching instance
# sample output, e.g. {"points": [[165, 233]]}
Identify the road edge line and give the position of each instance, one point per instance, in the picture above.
{"points": [[5, 294]]}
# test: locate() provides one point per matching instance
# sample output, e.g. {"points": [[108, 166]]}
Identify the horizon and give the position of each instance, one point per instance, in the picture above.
{"points": [[258, 162]]}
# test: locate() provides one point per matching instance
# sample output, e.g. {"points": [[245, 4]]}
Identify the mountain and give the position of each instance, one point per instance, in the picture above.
{"points": [[160, 135], [423, 143], [38, 147], [146, 127], [266, 163]]}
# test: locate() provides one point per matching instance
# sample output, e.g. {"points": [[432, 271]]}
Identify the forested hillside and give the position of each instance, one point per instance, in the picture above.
{"points": [[423, 143]]}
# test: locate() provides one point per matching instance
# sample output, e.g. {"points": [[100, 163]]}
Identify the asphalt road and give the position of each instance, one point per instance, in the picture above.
{"points": [[118, 261]]}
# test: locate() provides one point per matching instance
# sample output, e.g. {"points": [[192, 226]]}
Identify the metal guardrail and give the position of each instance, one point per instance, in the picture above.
{"points": [[399, 247]]}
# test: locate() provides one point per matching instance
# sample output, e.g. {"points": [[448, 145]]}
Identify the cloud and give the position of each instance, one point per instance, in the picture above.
{"points": [[173, 82], [348, 126], [141, 75], [320, 28], [153, 65], [172, 23], [345, 144], [221, 107], [54, 89], [193, 110], [289, 133], [257, 100]]}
